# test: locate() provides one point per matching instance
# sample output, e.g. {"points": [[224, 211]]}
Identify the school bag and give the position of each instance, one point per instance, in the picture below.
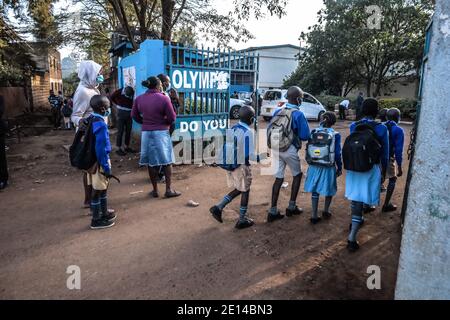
{"points": [[66, 111], [362, 148], [228, 158], [82, 151], [280, 134], [320, 149]]}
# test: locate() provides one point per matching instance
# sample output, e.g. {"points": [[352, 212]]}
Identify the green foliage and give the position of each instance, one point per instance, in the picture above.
{"points": [[408, 107], [343, 52], [70, 84]]}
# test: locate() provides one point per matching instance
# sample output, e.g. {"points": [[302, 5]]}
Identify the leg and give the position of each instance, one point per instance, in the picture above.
{"points": [[216, 210], [153, 174], [120, 131], [244, 221], [326, 212], [95, 205], [87, 191], [357, 219], [168, 174], [388, 206], [274, 214], [292, 208], [315, 205], [106, 214], [99, 220], [128, 127]]}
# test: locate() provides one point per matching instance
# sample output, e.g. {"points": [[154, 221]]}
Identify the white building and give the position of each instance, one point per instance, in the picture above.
{"points": [[275, 64]]}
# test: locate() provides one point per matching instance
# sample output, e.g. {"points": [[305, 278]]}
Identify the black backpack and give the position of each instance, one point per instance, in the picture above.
{"points": [[82, 151], [362, 148]]}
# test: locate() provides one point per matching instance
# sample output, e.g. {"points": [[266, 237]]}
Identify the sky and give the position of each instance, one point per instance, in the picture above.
{"points": [[271, 30]]}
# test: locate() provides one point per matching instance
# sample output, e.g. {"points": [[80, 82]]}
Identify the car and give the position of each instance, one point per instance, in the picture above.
{"points": [[235, 105], [276, 99]]}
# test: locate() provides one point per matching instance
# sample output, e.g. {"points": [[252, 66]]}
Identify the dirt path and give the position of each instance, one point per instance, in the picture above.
{"points": [[162, 249]]}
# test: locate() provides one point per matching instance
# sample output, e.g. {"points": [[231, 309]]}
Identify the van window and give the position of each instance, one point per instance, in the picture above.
{"points": [[272, 95], [309, 99]]}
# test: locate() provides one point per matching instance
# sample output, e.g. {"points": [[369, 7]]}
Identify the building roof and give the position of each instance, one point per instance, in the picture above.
{"points": [[273, 47]]}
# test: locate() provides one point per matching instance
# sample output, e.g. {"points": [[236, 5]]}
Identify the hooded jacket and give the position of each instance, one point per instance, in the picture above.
{"points": [[87, 88]]}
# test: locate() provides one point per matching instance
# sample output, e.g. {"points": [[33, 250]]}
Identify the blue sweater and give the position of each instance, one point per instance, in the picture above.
{"points": [[383, 135], [299, 125], [102, 143], [396, 141], [245, 139]]}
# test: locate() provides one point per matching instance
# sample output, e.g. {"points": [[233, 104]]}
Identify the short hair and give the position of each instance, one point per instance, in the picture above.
{"points": [[151, 83], [329, 117], [370, 107], [99, 101], [246, 113], [129, 91], [163, 77]]}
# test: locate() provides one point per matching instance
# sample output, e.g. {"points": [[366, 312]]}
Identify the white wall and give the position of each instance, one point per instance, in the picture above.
{"points": [[424, 266], [275, 65]]}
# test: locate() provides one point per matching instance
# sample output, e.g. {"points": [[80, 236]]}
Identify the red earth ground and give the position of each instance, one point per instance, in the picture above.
{"points": [[163, 249]]}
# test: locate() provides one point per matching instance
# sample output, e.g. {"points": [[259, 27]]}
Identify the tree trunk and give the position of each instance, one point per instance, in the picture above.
{"points": [[369, 88], [167, 8]]}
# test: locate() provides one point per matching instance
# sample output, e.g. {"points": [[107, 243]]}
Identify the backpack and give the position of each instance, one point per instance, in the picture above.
{"points": [[280, 134], [66, 111], [82, 151], [362, 148], [228, 158], [320, 149]]}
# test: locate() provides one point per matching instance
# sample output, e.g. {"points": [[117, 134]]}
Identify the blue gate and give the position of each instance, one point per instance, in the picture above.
{"points": [[202, 77]]}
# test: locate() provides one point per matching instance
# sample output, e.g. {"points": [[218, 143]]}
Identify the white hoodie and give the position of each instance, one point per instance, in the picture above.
{"points": [[87, 72]]}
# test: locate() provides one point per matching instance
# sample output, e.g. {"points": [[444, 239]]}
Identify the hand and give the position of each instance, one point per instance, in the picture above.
{"points": [[108, 174], [400, 172], [339, 173]]}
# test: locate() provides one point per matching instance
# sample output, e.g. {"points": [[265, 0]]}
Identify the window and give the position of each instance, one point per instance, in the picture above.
{"points": [[272, 95], [309, 99]]}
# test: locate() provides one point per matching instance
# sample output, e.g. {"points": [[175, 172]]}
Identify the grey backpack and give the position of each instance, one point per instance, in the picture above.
{"points": [[280, 134], [320, 149]]}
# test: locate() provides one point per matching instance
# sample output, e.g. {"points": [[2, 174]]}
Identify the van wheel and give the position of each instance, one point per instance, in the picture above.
{"points": [[267, 119], [320, 115], [234, 112]]}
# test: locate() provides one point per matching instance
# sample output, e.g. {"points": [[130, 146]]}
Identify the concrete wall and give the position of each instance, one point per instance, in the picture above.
{"points": [[424, 266], [275, 65], [402, 88]]}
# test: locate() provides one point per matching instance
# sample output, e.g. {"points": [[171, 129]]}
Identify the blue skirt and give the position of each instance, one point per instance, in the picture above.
{"points": [[321, 180], [156, 148], [364, 186]]}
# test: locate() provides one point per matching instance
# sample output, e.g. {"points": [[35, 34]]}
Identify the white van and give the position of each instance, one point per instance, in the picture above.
{"points": [[275, 99]]}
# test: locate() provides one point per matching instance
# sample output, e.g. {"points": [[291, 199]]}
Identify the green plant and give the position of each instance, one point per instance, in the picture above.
{"points": [[408, 107]]}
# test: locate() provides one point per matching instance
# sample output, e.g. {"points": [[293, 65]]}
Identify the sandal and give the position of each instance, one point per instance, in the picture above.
{"points": [[172, 194], [154, 194]]}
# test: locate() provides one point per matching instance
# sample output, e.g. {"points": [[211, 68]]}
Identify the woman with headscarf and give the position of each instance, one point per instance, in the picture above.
{"points": [[90, 77]]}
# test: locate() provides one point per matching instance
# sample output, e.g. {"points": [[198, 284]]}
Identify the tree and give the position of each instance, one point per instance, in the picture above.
{"points": [[343, 48]]}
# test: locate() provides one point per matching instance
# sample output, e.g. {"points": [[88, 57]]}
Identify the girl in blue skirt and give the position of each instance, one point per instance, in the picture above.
{"points": [[321, 179]]}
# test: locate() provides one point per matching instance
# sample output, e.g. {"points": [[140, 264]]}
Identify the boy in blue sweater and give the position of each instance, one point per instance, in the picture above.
{"points": [[239, 174], [290, 157], [396, 141], [100, 173]]}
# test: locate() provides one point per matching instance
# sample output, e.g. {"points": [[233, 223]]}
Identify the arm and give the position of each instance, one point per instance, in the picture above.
{"points": [[250, 153], [101, 145], [135, 113], [399, 138], [80, 105], [171, 116], [302, 126], [384, 147], [338, 153]]}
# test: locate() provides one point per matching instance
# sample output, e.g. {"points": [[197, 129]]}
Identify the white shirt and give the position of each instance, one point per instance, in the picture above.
{"points": [[345, 103]]}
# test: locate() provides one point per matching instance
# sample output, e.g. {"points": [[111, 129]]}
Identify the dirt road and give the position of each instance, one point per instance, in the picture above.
{"points": [[162, 249]]}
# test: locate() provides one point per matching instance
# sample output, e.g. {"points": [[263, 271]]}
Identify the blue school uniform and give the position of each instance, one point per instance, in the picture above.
{"points": [[365, 186], [396, 141], [322, 180]]}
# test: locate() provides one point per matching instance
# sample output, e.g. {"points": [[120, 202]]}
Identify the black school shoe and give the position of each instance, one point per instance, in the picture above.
{"points": [[242, 224], [274, 217], [110, 216], [3, 185], [326, 215], [101, 224], [216, 213], [352, 246], [369, 209], [315, 220], [389, 208], [296, 212]]}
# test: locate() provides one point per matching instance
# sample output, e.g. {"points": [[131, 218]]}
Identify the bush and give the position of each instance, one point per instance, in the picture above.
{"points": [[408, 107]]}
